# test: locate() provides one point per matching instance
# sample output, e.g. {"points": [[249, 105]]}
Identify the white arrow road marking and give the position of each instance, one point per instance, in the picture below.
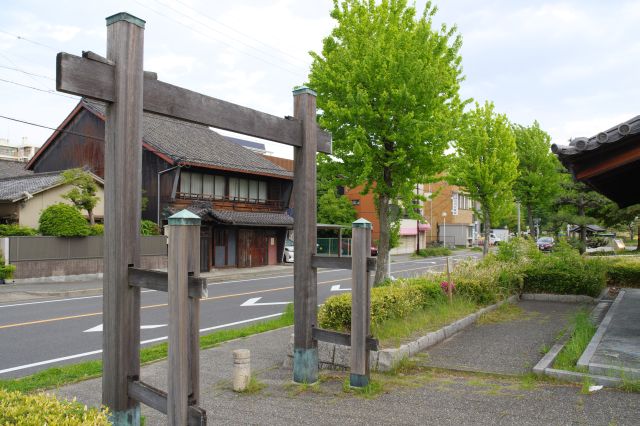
{"points": [[254, 302], [338, 288], [98, 327]]}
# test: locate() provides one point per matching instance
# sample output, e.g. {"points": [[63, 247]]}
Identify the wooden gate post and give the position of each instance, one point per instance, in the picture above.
{"points": [[184, 229], [360, 302], [123, 177], [305, 278]]}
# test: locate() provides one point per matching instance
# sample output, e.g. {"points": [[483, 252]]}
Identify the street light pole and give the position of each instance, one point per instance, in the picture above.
{"points": [[444, 229]]}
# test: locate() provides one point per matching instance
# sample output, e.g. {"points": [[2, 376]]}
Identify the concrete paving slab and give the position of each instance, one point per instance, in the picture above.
{"points": [[618, 351], [511, 347]]}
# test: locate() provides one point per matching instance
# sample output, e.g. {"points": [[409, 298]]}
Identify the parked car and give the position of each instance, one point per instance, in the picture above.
{"points": [[494, 240], [288, 251], [374, 251], [545, 243]]}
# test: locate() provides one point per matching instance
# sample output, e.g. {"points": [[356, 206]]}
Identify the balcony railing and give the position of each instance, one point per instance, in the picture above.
{"points": [[236, 203]]}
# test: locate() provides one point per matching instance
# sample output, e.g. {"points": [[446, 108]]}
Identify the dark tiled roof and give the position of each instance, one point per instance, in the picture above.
{"points": [[579, 146], [13, 189], [233, 217], [198, 144], [9, 169]]}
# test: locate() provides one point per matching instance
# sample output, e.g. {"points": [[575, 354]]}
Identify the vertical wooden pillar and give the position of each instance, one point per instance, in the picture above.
{"points": [[183, 227], [360, 300], [123, 177], [305, 351]]}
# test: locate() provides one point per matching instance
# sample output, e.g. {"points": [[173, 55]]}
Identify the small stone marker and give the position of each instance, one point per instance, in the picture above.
{"points": [[241, 369]]}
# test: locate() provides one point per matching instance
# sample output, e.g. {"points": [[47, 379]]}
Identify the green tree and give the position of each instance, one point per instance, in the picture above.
{"points": [[486, 164], [538, 181], [83, 194], [335, 209], [581, 205], [63, 220], [387, 85]]}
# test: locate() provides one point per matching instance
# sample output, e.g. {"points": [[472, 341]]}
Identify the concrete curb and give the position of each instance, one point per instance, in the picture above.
{"points": [[602, 328], [563, 298], [20, 296], [60, 278], [338, 357]]}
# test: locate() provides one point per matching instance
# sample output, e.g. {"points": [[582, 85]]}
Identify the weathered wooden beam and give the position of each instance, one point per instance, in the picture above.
{"points": [[360, 303], [339, 338], [157, 399], [339, 262], [305, 277], [158, 280], [123, 177], [93, 78]]}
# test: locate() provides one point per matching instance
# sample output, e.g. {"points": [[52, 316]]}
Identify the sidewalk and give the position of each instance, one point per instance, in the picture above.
{"points": [[414, 397]]}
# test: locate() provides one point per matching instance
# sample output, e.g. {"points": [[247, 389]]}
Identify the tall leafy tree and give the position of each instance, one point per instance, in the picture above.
{"points": [[83, 194], [486, 164], [538, 182], [387, 84]]}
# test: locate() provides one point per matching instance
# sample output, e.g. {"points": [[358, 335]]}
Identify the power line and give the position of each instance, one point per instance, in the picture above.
{"points": [[300, 63], [58, 129], [53, 92], [222, 41], [19, 37], [27, 72]]}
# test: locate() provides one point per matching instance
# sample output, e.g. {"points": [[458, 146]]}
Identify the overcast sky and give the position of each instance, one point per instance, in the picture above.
{"points": [[571, 65]]}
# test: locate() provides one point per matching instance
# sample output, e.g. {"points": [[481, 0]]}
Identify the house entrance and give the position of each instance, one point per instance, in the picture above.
{"points": [[224, 247]]}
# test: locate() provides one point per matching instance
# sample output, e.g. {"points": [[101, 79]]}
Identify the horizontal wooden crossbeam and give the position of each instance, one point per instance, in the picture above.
{"points": [[92, 76], [339, 338], [339, 262], [157, 399], [158, 280]]}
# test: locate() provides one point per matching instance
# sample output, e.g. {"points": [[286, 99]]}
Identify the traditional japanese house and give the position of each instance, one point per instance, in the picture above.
{"points": [[241, 197]]}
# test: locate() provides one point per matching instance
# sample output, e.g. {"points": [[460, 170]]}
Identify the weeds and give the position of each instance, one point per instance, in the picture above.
{"points": [[505, 312], [580, 337]]}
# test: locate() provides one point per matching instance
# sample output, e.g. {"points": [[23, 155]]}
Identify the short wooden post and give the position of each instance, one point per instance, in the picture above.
{"points": [[182, 228], [123, 176], [305, 278], [360, 301]]}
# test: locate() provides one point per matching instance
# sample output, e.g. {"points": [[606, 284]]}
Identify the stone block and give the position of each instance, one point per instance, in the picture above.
{"points": [[386, 359], [342, 356], [326, 352], [414, 348]]}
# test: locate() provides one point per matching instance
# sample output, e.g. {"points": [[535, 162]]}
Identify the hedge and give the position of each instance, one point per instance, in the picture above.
{"points": [[623, 272], [14, 230], [393, 301], [434, 251], [63, 220], [21, 409]]}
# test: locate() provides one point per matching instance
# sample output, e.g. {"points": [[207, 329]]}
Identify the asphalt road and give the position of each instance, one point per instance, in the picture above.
{"points": [[39, 334]]}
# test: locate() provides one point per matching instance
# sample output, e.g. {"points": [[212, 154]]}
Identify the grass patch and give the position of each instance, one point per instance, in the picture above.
{"points": [[580, 337], [59, 376], [434, 251], [372, 390], [393, 332], [505, 312], [254, 386]]}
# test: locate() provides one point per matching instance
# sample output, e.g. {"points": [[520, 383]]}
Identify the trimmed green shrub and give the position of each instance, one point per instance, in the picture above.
{"points": [[148, 227], [394, 301], [623, 272], [97, 229], [479, 291], [6, 271], [63, 220], [434, 251], [21, 409], [15, 230]]}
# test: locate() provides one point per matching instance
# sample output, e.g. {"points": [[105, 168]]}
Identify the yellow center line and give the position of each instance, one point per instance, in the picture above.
{"points": [[161, 305]]}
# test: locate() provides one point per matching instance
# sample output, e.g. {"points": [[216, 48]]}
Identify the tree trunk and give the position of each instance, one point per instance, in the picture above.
{"points": [[92, 219], [383, 243], [487, 232], [638, 247]]}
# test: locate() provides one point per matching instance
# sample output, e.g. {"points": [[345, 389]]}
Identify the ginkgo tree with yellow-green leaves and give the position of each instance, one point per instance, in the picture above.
{"points": [[486, 163], [387, 81]]}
